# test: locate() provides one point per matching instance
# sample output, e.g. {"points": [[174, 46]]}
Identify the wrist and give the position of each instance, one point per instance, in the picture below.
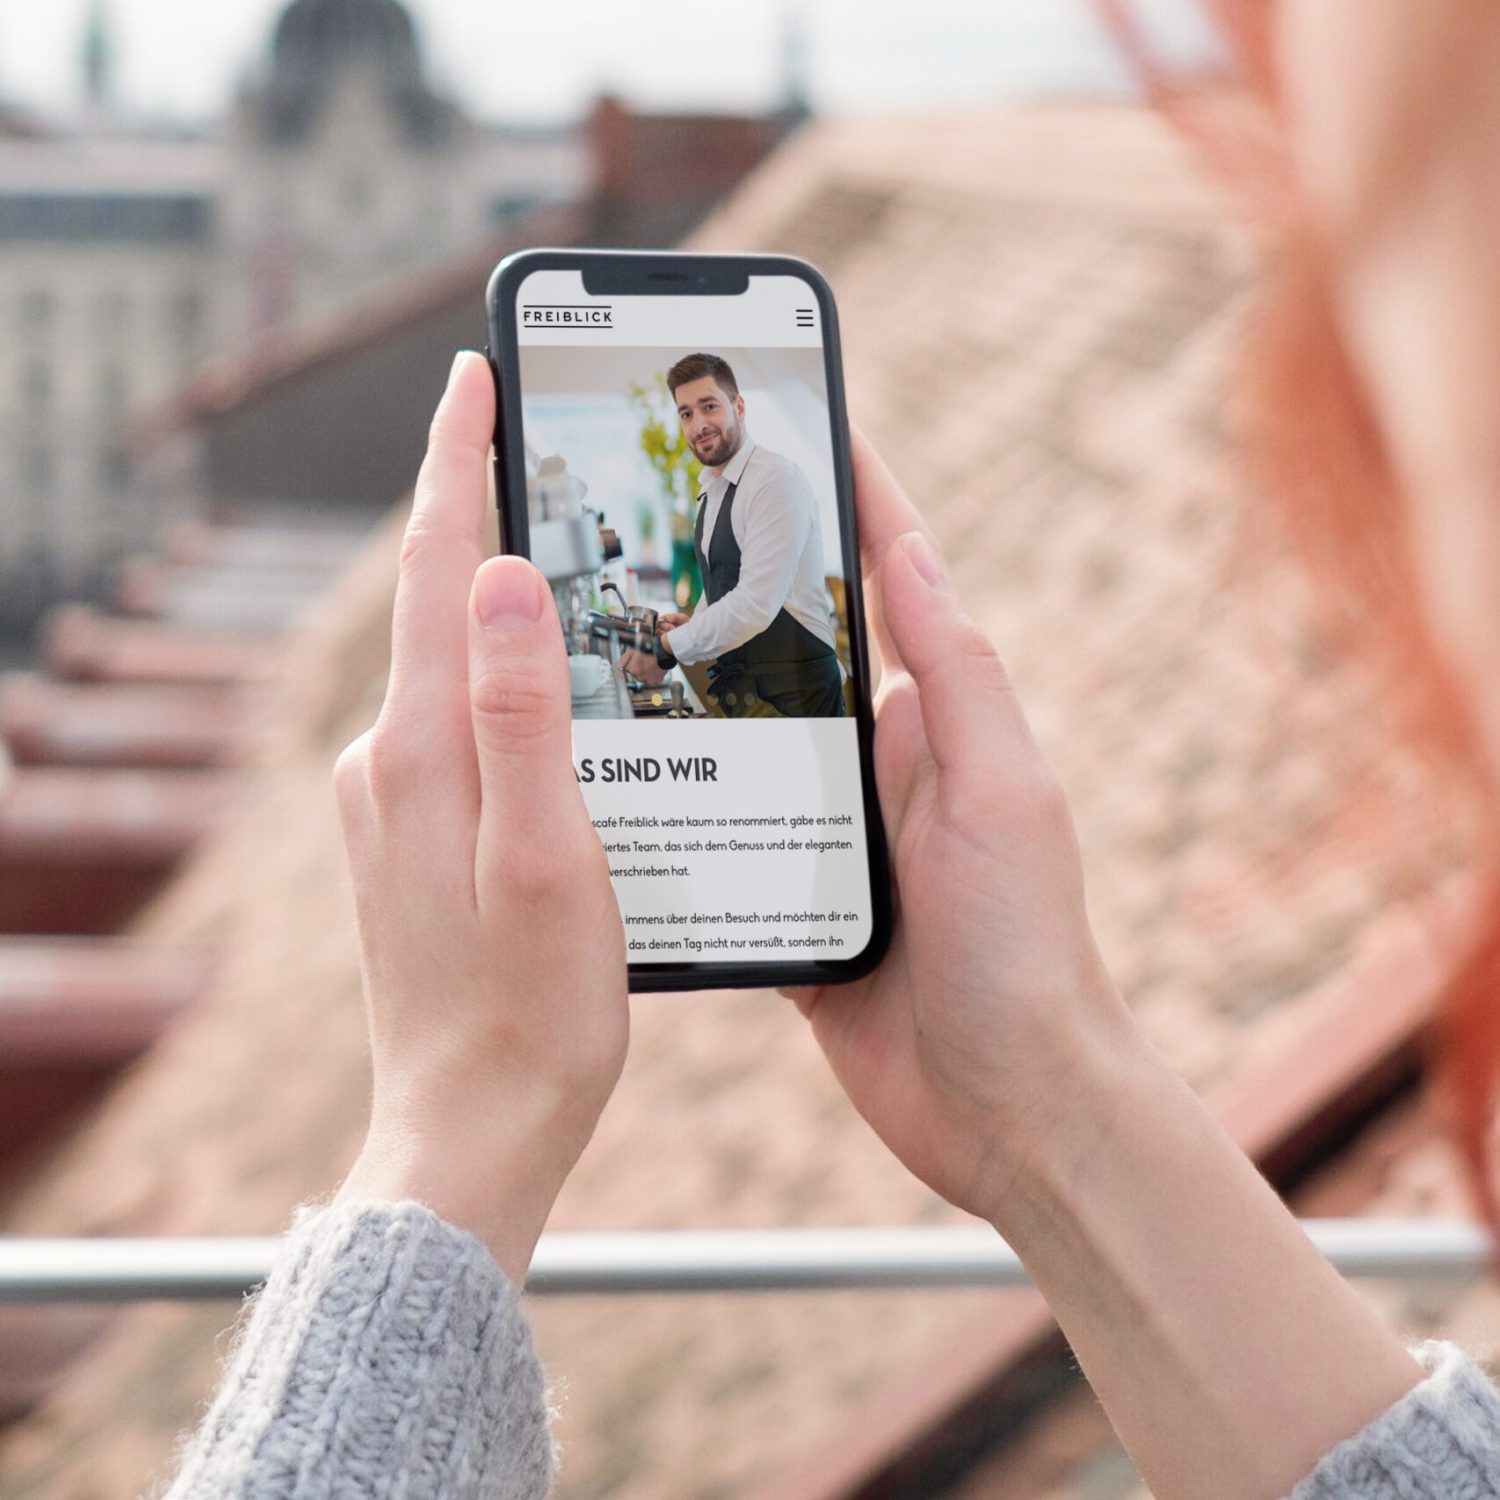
{"points": [[498, 1184], [1090, 1106]]}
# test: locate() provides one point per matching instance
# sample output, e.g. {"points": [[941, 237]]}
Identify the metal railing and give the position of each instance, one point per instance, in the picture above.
{"points": [[34, 1269]]}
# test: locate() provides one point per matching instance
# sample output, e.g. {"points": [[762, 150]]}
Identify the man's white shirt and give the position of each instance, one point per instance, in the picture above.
{"points": [[775, 522]]}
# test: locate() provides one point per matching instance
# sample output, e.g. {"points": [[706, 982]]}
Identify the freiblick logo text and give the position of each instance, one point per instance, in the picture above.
{"points": [[567, 315]]}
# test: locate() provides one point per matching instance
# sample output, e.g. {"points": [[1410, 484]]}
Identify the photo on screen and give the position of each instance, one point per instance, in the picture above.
{"points": [[682, 505]]}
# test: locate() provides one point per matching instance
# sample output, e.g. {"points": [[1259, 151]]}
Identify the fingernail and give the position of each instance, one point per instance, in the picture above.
{"points": [[925, 560], [453, 369], [508, 595], [443, 400]]}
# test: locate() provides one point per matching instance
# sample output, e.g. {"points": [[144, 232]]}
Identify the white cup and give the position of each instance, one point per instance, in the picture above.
{"points": [[586, 674]]}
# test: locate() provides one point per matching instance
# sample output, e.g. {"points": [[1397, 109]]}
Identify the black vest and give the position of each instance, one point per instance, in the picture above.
{"points": [[786, 664]]}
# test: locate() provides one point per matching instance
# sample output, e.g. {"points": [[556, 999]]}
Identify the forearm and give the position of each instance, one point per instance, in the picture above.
{"points": [[721, 626], [1229, 1356]]}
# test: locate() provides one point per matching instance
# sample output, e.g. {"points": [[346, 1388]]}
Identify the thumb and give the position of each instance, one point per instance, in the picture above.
{"points": [[522, 712], [971, 716]]}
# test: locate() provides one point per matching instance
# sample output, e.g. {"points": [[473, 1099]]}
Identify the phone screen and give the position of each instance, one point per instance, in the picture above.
{"points": [[682, 500]]}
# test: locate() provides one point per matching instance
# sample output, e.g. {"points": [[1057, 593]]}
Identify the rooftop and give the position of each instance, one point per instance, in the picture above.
{"points": [[1039, 311]]}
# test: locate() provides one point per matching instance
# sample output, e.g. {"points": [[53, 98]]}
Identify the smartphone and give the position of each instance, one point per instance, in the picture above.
{"points": [[672, 452]]}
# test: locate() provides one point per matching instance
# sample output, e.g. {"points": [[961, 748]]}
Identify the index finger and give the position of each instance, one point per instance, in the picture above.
{"points": [[884, 511], [441, 552]]}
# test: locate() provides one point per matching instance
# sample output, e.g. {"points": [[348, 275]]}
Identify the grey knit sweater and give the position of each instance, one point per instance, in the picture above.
{"points": [[387, 1356]]}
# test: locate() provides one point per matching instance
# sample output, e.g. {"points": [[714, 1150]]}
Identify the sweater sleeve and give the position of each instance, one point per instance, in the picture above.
{"points": [[386, 1355], [1441, 1441]]}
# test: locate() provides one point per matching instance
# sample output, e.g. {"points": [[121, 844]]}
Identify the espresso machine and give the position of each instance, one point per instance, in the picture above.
{"points": [[570, 545]]}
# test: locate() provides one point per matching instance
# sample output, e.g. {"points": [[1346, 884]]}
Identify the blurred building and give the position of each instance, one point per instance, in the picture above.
{"points": [[128, 253], [343, 167]]}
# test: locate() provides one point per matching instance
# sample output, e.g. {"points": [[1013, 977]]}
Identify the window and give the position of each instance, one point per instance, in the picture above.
{"points": [[508, 207], [152, 218]]}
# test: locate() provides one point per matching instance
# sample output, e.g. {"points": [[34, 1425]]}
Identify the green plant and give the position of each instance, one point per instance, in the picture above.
{"points": [[667, 451]]}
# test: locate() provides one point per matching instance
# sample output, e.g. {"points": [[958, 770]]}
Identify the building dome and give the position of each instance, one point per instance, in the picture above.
{"points": [[315, 40], [314, 37]]}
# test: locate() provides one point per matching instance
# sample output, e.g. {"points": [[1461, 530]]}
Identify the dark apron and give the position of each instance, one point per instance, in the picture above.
{"points": [[786, 667]]}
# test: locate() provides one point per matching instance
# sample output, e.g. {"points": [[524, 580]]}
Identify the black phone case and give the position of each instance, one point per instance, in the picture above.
{"points": [[668, 273]]}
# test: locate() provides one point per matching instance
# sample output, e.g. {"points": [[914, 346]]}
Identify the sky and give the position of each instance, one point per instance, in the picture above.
{"points": [[546, 59]]}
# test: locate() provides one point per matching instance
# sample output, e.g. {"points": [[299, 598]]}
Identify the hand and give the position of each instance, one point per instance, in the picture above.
{"points": [[493, 953], [643, 666], [959, 1048], [666, 622]]}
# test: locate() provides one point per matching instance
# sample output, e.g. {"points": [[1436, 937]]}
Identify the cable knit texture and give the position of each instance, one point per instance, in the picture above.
{"points": [[387, 1356], [1441, 1441]]}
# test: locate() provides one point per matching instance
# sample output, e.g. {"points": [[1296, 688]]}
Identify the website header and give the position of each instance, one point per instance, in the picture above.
{"points": [[773, 312]]}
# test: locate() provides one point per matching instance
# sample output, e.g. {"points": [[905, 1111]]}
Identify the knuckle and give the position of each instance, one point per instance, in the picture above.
{"points": [[1021, 794], [416, 542], [351, 784], [541, 873], [1041, 805], [538, 877], [516, 694], [968, 664], [1046, 797], [433, 530], [977, 653], [896, 689], [392, 763], [413, 540], [979, 800]]}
